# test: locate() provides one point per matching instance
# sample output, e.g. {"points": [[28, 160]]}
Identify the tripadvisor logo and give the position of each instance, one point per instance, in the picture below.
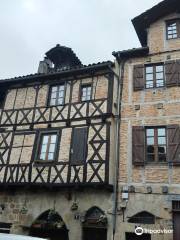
{"points": [[138, 231]]}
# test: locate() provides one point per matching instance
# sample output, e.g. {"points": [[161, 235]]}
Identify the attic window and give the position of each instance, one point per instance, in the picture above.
{"points": [[173, 29]]}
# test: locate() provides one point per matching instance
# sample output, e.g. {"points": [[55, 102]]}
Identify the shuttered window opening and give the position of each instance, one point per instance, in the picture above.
{"points": [[79, 146], [156, 147], [156, 144], [155, 76]]}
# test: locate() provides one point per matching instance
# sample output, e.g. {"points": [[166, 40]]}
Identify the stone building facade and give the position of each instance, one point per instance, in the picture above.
{"points": [[149, 170], [56, 149]]}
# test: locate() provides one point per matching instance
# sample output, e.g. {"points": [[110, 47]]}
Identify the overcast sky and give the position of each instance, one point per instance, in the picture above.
{"points": [[92, 28]]}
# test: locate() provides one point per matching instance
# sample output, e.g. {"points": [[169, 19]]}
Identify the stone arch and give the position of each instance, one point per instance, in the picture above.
{"points": [[49, 225], [95, 224], [143, 217]]}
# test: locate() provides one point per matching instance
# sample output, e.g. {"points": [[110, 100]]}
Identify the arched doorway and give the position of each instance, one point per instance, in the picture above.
{"points": [[95, 225], [49, 225]]}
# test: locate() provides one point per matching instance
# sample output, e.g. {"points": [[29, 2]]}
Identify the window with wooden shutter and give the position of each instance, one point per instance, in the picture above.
{"points": [[154, 75], [172, 70], [173, 133], [138, 145], [138, 77], [156, 144], [79, 146]]}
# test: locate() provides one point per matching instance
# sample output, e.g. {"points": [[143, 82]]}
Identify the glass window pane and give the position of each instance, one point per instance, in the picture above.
{"points": [[53, 102], [45, 139], [61, 88], [52, 148], [161, 140], [149, 85], [150, 132], [53, 138], [162, 149], [43, 148], [54, 89], [42, 156], [159, 83], [150, 149], [149, 77], [149, 69], [150, 141], [53, 95], [150, 158], [61, 94], [50, 156], [159, 75], [161, 132], [159, 68], [60, 101]]}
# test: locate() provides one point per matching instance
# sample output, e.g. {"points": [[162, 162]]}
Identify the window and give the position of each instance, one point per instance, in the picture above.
{"points": [[155, 76], [142, 218], [57, 94], [156, 144], [172, 29], [86, 92], [48, 145]]}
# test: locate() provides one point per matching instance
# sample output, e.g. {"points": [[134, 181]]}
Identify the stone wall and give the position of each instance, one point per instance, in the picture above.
{"points": [[157, 40], [38, 202]]}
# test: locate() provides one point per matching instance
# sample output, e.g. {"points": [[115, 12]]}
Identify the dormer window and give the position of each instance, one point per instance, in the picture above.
{"points": [[173, 29]]}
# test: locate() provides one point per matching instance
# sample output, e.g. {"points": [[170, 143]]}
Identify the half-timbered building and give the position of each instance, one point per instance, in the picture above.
{"points": [[56, 149]]}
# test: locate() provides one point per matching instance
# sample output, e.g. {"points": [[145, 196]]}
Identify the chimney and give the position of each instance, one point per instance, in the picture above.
{"points": [[44, 65]]}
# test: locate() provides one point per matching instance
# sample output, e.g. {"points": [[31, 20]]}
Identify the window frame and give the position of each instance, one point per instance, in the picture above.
{"points": [[39, 144], [81, 91], [170, 22], [156, 153], [154, 65], [50, 93]]}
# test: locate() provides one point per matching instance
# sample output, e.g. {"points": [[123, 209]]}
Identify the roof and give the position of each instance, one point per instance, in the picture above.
{"points": [[143, 21], [134, 52], [58, 73], [60, 55]]}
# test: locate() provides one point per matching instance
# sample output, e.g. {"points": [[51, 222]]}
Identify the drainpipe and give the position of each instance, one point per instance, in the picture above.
{"points": [[121, 64]]}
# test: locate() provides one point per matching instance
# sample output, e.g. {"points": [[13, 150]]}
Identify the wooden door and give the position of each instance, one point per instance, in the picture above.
{"points": [[94, 234]]}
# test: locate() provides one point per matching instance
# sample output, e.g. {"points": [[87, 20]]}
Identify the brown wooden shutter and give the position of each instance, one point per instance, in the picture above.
{"points": [[173, 138], [79, 146], [138, 77], [172, 73], [138, 145]]}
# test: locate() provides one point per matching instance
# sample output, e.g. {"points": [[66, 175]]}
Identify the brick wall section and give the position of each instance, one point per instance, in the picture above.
{"points": [[157, 41], [148, 115]]}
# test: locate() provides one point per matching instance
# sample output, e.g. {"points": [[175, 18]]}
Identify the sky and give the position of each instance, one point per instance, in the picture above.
{"points": [[92, 28]]}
